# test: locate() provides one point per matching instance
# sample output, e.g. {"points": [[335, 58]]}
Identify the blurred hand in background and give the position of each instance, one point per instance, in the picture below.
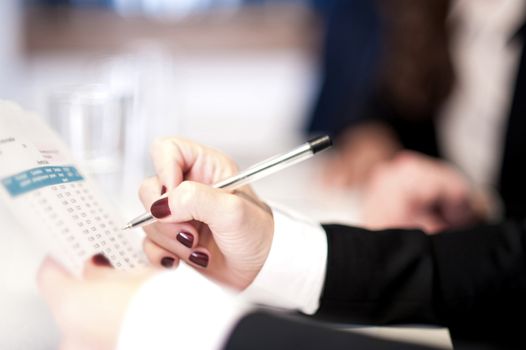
{"points": [[416, 191], [89, 311]]}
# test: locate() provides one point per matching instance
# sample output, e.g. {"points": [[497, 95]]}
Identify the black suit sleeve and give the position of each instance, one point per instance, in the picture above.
{"points": [[472, 281]]}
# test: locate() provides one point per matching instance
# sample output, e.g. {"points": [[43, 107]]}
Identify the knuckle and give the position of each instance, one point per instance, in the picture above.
{"points": [[184, 194], [235, 209], [162, 144], [227, 162], [233, 203], [460, 193], [185, 186], [157, 143], [153, 251], [143, 190], [162, 173], [148, 188], [147, 246], [407, 156], [233, 166], [379, 173]]}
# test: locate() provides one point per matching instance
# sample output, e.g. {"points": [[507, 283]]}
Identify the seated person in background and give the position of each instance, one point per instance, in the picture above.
{"points": [[473, 280], [386, 71], [388, 85]]}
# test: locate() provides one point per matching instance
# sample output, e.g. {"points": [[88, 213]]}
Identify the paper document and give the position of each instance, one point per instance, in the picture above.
{"points": [[54, 199]]}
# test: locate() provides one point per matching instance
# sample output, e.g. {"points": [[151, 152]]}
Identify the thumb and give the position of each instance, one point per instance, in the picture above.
{"points": [[171, 157], [430, 223]]}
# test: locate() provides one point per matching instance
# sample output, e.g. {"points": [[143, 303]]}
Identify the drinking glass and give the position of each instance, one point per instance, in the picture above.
{"points": [[91, 119]]}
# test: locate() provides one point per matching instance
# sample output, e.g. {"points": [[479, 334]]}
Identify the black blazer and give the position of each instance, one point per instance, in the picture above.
{"points": [[512, 186], [472, 281]]}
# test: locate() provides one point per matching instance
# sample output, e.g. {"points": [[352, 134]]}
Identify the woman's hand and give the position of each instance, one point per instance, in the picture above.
{"points": [[89, 312], [415, 191], [225, 235]]}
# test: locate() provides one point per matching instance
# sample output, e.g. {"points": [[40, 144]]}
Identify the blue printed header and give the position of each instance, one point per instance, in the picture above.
{"points": [[36, 178]]}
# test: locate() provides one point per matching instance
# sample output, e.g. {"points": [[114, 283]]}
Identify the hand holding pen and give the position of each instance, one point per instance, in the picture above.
{"points": [[255, 172], [226, 235]]}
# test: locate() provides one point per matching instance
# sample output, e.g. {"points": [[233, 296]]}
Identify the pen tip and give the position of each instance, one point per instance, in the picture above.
{"points": [[127, 227]]}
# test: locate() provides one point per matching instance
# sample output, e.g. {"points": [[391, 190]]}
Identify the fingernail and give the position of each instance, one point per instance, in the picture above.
{"points": [[199, 258], [163, 190], [186, 239], [100, 260], [167, 262], [160, 208]]}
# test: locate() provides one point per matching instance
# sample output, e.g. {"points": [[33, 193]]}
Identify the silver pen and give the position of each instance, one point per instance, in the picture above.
{"points": [[255, 172]]}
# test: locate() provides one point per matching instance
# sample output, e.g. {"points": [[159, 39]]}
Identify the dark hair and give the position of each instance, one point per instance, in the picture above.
{"points": [[416, 71]]}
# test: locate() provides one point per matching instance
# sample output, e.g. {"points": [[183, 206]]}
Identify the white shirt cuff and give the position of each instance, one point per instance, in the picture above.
{"points": [[174, 309], [294, 273]]}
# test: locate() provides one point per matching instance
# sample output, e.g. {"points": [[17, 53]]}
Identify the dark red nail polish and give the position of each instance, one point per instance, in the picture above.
{"points": [[160, 208], [199, 258], [101, 260], [163, 190], [186, 239], [167, 262]]}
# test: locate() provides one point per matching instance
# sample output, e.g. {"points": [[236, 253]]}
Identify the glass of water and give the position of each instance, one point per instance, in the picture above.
{"points": [[91, 119]]}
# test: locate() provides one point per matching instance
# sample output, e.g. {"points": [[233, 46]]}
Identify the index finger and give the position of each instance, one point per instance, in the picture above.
{"points": [[171, 161], [176, 160]]}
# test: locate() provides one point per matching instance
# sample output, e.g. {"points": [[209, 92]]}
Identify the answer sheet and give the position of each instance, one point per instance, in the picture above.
{"points": [[54, 199]]}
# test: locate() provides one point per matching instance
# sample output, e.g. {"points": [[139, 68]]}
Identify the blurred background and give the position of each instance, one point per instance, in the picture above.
{"points": [[255, 78], [239, 75], [187, 67]]}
